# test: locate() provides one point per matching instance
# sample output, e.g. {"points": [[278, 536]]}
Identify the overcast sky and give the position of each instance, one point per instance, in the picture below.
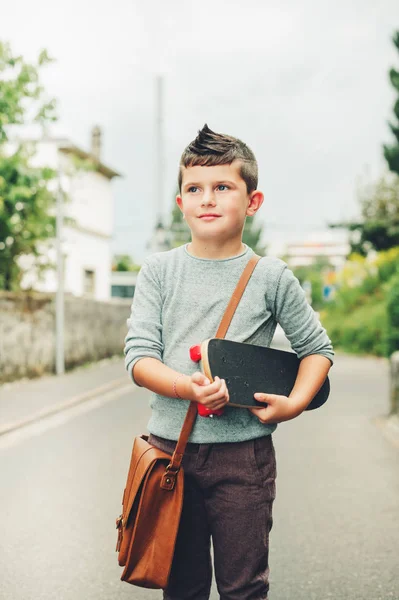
{"points": [[304, 84]]}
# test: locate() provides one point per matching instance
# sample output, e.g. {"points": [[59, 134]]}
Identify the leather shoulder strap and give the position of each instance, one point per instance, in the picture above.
{"points": [[236, 297], [191, 415]]}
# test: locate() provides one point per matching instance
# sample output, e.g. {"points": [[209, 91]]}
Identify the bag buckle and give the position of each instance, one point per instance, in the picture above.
{"points": [[119, 522], [168, 480], [170, 470]]}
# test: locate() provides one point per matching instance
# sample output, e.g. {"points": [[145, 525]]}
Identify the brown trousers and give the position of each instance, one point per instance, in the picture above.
{"points": [[228, 496]]}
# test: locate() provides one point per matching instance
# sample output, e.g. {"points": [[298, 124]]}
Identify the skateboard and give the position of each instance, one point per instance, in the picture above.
{"points": [[248, 369]]}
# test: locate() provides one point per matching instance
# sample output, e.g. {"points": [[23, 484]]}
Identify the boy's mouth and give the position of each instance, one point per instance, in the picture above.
{"points": [[209, 217]]}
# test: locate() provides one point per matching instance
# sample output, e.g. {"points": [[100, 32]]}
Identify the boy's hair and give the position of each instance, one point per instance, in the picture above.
{"points": [[210, 149]]}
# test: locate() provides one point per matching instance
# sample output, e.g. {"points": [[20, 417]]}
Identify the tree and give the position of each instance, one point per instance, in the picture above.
{"points": [[124, 262], [391, 153], [378, 227], [26, 203], [25, 221], [252, 236], [179, 230]]}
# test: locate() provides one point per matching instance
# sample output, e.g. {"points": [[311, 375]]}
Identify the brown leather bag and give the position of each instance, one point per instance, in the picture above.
{"points": [[153, 497]]}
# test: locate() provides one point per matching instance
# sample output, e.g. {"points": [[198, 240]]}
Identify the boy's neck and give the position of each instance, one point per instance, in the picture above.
{"points": [[211, 249]]}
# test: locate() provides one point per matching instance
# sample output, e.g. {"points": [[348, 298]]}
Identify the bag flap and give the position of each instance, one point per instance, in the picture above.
{"points": [[144, 457]]}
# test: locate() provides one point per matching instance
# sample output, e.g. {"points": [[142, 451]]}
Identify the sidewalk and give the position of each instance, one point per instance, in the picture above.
{"points": [[28, 400]]}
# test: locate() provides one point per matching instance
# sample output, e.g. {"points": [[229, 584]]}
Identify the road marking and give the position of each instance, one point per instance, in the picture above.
{"points": [[70, 410]]}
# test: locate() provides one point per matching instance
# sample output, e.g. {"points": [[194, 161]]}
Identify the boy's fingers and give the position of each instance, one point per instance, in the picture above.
{"points": [[217, 397], [217, 406], [218, 403], [200, 378], [263, 414], [195, 377], [223, 388], [268, 398], [260, 397], [216, 385], [220, 395]]}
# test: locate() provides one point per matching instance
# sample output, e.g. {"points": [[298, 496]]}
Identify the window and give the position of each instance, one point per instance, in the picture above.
{"points": [[122, 291], [89, 283]]}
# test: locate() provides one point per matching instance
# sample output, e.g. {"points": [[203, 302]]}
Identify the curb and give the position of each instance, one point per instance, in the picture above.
{"points": [[390, 428], [75, 400]]}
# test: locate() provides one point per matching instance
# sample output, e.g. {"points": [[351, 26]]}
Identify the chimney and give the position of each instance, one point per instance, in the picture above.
{"points": [[96, 142]]}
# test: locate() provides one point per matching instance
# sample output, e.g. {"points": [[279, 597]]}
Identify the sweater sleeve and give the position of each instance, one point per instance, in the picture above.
{"points": [[144, 337], [298, 319]]}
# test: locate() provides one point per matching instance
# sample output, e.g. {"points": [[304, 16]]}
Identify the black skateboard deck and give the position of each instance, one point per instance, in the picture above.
{"points": [[248, 369]]}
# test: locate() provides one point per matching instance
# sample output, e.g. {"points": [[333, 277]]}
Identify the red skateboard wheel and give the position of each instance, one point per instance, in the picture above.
{"points": [[207, 412], [195, 353]]}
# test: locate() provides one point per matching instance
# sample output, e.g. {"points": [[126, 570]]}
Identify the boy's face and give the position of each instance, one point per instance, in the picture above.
{"points": [[221, 191]]}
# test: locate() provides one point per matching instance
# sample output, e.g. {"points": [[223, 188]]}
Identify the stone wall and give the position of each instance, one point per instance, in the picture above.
{"points": [[93, 330]]}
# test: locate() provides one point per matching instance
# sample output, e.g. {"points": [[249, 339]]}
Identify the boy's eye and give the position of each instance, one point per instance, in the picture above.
{"points": [[223, 186], [193, 188]]}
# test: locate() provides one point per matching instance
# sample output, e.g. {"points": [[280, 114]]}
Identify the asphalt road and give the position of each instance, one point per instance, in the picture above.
{"points": [[336, 515]]}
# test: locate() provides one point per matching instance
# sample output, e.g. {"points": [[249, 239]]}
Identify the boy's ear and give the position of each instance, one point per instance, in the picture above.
{"points": [[179, 202], [255, 202]]}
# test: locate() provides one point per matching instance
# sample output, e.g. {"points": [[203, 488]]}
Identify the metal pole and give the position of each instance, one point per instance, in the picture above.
{"points": [[59, 304], [159, 143]]}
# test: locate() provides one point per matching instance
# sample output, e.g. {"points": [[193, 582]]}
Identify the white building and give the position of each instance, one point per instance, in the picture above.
{"points": [[123, 284], [332, 245], [86, 243]]}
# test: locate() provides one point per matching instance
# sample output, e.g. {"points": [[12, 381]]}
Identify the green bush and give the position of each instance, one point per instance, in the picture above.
{"points": [[393, 314], [363, 318], [363, 330], [387, 264], [387, 270], [369, 285], [316, 279]]}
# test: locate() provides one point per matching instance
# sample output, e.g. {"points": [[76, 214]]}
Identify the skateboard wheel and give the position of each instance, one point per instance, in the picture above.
{"points": [[218, 412], [206, 412], [195, 353]]}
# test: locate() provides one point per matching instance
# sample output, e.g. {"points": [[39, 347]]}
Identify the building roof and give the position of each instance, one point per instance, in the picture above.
{"points": [[69, 148], [33, 133]]}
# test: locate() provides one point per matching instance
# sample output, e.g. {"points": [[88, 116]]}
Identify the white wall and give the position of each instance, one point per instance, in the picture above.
{"points": [[92, 202], [92, 253]]}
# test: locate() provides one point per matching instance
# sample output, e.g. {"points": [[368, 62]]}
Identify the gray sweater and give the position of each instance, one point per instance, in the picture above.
{"points": [[179, 301]]}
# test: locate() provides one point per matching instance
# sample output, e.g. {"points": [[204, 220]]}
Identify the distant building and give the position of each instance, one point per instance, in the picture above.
{"points": [[123, 284], [331, 245], [86, 242]]}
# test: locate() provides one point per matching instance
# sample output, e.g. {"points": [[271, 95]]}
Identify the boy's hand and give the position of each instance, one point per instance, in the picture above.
{"points": [[278, 409], [212, 395]]}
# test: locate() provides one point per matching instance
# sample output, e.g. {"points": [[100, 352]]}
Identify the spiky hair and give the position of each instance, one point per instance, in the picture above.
{"points": [[210, 149]]}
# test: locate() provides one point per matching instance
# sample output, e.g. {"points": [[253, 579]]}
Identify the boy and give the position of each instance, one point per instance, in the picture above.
{"points": [[180, 298]]}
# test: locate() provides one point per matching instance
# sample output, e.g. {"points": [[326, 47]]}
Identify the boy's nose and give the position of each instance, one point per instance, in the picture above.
{"points": [[208, 198]]}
